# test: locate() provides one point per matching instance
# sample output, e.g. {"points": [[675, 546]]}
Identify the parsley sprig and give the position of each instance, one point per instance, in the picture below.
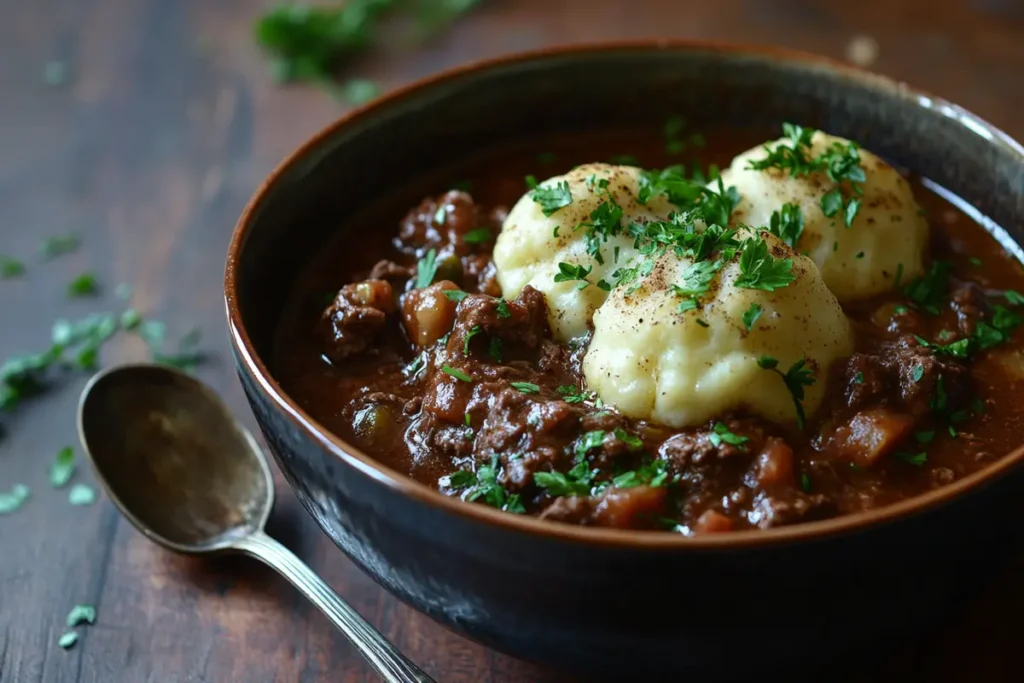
{"points": [[796, 378]]}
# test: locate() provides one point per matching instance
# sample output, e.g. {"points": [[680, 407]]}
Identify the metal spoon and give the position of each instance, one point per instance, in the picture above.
{"points": [[192, 479]]}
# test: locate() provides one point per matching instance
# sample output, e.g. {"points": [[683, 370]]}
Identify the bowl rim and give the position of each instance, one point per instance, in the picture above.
{"points": [[598, 536]]}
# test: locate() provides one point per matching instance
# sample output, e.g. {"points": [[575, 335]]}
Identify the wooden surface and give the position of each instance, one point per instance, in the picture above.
{"points": [[149, 151]]}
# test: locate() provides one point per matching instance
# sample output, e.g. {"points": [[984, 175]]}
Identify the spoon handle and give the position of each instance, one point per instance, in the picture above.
{"points": [[392, 666]]}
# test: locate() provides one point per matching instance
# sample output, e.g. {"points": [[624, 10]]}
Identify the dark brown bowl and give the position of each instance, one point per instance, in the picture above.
{"points": [[595, 600]]}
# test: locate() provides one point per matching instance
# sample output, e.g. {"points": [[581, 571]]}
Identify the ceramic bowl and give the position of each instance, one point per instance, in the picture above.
{"points": [[618, 603]]}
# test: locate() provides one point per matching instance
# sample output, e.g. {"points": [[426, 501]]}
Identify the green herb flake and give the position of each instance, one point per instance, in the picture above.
{"points": [[455, 295], [788, 224], [526, 387], [688, 304], [571, 394], [359, 91], [924, 436], [494, 349], [805, 482], [58, 245], [11, 500], [1014, 298], [722, 434], [858, 378], [426, 270], [502, 309], [634, 442], [63, 467], [760, 270], [10, 267], [68, 640], [569, 272], [917, 373], [929, 291], [81, 614], [751, 315], [457, 374], [552, 198], [702, 322], [473, 331], [796, 378], [917, 459], [441, 215], [80, 494], [462, 479], [557, 484], [478, 236], [83, 285], [589, 440]]}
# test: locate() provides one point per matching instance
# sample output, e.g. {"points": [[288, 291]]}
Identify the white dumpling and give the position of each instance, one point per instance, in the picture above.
{"points": [[531, 245], [681, 369], [888, 237]]}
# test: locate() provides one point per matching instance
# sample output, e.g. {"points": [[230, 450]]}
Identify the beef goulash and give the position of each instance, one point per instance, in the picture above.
{"points": [[807, 333]]}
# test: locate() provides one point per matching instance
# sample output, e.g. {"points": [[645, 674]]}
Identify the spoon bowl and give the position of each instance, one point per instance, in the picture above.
{"points": [[174, 460], [191, 478]]}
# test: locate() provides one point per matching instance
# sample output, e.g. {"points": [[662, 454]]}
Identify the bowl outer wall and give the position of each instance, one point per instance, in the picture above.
{"points": [[556, 597]]}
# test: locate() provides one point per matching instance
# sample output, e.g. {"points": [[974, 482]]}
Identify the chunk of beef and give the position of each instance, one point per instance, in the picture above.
{"points": [[906, 376], [970, 304], [693, 455], [442, 224], [357, 314], [522, 321]]}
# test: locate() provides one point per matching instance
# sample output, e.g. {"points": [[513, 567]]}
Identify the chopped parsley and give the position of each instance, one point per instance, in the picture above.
{"points": [[839, 161], [688, 305], [787, 224], [68, 640], [634, 442], [568, 272], [502, 309], [917, 373], [478, 236], [473, 331], [426, 269], [722, 434], [63, 467], [751, 315], [975, 261], [858, 378], [997, 329], [1014, 298], [441, 215], [696, 279], [760, 270], [929, 291], [672, 183], [805, 482], [526, 387], [924, 436], [796, 378], [81, 614], [571, 394], [653, 473], [702, 322], [557, 484], [455, 295], [912, 458], [483, 485], [10, 267], [80, 494], [13, 499], [58, 245], [552, 198], [83, 285], [494, 349], [588, 441], [457, 374]]}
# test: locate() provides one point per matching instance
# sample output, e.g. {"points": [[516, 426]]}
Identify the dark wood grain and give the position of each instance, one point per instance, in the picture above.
{"points": [[149, 151]]}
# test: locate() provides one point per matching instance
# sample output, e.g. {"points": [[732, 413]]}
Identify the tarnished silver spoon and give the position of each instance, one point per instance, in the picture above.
{"points": [[192, 479]]}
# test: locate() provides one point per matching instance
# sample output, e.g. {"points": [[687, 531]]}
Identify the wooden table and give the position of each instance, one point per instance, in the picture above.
{"points": [[166, 123]]}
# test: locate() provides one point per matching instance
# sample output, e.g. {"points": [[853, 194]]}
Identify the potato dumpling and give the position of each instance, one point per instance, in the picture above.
{"points": [[539, 235], [681, 368], [888, 235]]}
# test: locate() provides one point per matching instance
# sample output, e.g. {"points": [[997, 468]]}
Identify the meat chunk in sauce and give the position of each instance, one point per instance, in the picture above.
{"points": [[355, 317]]}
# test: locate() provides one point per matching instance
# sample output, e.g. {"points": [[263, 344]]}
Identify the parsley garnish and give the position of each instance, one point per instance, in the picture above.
{"points": [[589, 440], [929, 291], [1014, 298], [13, 499], [796, 378], [917, 373], [81, 614], [68, 640], [697, 278], [751, 315], [526, 387], [722, 434], [672, 183], [502, 309], [760, 270], [568, 272], [494, 349], [840, 162], [552, 198], [571, 394], [912, 458], [426, 269], [478, 236], [83, 285], [455, 295], [557, 484], [10, 267], [58, 245], [924, 437], [63, 467], [483, 484], [648, 474], [80, 494], [473, 331], [457, 374], [634, 442], [787, 224], [805, 482]]}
